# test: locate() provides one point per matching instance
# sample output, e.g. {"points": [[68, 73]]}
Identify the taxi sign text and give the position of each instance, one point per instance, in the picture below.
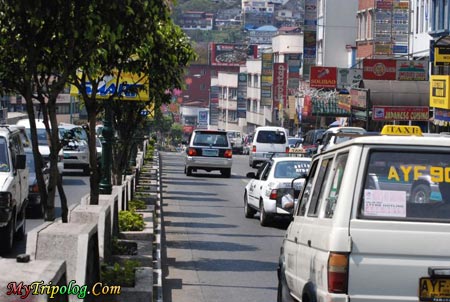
{"points": [[401, 130]]}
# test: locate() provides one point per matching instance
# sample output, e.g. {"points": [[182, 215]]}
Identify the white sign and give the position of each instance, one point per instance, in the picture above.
{"points": [[384, 203]]}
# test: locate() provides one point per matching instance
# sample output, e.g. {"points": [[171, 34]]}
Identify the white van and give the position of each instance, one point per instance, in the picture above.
{"points": [[266, 141], [372, 222], [44, 148]]}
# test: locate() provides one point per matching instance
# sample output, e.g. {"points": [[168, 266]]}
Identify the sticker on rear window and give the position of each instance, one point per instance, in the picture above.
{"points": [[384, 203]]}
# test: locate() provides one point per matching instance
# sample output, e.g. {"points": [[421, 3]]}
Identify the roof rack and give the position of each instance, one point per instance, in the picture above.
{"points": [[5, 126]]}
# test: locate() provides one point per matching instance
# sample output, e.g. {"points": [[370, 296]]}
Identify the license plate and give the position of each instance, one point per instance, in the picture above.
{"points": [[434, 289], [210, 152], [267, 155]]}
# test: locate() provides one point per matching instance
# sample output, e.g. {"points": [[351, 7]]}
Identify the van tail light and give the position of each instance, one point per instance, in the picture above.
{"points": [[192, 152], [273, 194], [228, 153], [337, 272], [287, 149], [254, 149]]}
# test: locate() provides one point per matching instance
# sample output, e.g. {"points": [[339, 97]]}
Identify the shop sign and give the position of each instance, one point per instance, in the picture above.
{"points": [[442, 115], [412, 70], [400, 113], [323, 77], [280, 82], [344, 102], [379, 69], [439, 91]]}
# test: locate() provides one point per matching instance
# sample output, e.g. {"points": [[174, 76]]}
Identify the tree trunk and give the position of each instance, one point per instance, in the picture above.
{"points": [[94, 177]]}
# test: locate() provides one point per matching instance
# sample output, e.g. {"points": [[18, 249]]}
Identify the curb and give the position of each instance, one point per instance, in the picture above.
{"points": [[157, 269]]}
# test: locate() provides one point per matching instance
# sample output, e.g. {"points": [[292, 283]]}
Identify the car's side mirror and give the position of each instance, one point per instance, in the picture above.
{"points": [[251, 175], [20, 162]]}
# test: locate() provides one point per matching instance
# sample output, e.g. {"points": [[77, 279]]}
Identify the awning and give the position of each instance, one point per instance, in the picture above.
{"points": [[398, 93]]}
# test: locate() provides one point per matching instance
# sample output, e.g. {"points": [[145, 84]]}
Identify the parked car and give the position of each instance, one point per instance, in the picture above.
{"points": [[43, 141], [356, 224], [266, 141], [208, 150], [35, 207], [13, 187], [269, 190]]}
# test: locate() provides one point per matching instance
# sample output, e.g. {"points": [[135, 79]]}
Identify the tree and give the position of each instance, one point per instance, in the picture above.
{"points": [[40, 46], [137, 37]]}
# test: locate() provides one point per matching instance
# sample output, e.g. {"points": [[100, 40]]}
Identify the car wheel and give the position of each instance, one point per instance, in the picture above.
{"points": [[420, 194], [189, 171], [264, 218], [283, 294], [248, 211], [226, 173], [7, 237]]}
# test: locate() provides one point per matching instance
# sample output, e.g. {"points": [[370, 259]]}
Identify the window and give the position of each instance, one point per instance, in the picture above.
{"points": [[407, 186], [4, 156], [271, 137], [307, 190], [291, 169], [338, 173], [266, 171], [319, 188]]}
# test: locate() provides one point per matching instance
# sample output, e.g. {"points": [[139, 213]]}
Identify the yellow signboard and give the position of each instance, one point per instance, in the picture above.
{"points": [[129, 87], [441, 55], [440, 91]]}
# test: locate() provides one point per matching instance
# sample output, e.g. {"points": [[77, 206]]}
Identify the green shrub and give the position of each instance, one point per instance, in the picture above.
{"points": [[130, 221], [117, 274], [136, 204]]}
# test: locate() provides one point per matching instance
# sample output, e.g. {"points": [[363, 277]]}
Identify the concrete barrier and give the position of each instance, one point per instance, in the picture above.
{"points": [[46, 271], [100, 214], [111, 200], [76, 244]]}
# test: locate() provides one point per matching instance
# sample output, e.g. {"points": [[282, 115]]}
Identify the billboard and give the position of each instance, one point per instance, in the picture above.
{"points": [[232, 54], [440, 91], [323, 77], [129, 87]]}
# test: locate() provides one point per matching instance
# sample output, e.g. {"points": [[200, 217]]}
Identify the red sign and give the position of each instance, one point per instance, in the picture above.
{"points": [[375, 69], [323, 77], [400, 113], [307, 106], [280, 83]]}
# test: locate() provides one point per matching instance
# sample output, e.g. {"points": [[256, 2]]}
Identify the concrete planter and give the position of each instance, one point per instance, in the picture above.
{"points": [[146, 234]]}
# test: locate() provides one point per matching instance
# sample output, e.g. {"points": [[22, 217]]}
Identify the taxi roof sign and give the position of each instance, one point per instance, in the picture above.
{"points": [[401, 130]]}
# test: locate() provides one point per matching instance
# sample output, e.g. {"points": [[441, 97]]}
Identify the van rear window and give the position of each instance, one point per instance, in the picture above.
{"points": [[407, 185], [271, 137]]}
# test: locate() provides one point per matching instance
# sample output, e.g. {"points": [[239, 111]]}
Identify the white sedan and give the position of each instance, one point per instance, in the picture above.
{"points": [[270, 191]]}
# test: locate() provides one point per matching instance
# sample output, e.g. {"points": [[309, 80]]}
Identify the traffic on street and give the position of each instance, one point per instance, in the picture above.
{"points": [[211, 251]]}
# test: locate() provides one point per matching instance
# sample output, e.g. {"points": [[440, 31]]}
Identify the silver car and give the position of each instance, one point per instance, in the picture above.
{"points": [[76, 150], [208, 150]]}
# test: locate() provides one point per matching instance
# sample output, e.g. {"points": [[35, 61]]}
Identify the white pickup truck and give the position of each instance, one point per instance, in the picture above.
{"points": [[13, 187]]}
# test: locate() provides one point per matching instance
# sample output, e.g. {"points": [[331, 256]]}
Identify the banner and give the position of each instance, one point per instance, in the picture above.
{"points": [[440, 91], [232, 54]]}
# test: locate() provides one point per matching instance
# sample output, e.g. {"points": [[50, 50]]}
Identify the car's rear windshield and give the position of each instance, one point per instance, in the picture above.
{"points": [[271, 137], [291, 169], [215, 139], [407, 185]]}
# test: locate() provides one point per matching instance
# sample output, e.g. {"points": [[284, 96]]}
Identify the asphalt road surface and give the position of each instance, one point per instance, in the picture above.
{"points": [[211, 252]]}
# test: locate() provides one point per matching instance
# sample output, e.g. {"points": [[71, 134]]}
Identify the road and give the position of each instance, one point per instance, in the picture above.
{"points": [[75, 186], [211, 252]]}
